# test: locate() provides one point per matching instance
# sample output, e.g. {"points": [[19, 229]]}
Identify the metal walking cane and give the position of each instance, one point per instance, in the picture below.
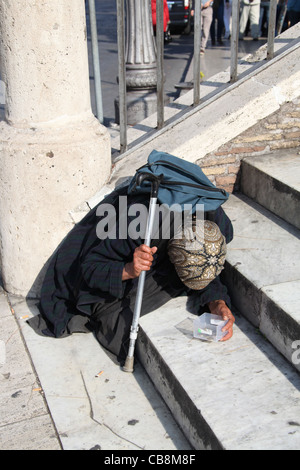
{"points": [[155, 181]]}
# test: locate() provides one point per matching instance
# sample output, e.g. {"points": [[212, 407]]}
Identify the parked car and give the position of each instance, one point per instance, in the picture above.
{"points": [[180, 15]]}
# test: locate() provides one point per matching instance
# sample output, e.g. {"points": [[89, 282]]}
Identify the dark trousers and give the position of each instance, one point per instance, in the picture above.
{"points": [[111, 321], [218, 16]]}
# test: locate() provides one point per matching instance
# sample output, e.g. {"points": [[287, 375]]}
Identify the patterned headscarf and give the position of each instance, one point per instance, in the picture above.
{"points": [[199, 254]]}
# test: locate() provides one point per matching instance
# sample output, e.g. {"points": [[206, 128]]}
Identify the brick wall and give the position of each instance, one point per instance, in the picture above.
{"points": [[280, 130]]}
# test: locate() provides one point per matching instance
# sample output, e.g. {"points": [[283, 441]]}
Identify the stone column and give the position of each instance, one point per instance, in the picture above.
{"points": [[141, 64], [54, 154]]}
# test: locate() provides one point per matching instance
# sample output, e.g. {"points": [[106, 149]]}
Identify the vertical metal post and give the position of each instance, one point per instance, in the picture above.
{"points": [[96, 60], [271, 29], [235, 40], [197, 45], [122, 75], [160, 62]]}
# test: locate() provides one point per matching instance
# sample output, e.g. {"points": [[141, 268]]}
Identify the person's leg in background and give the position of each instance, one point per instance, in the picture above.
{"points": [[227, 18], [254, 20], [244, 18], [206, 16], [220, 19]]}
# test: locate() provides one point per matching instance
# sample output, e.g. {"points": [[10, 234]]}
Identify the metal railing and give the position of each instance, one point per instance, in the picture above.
{"points": [[121, 28]]}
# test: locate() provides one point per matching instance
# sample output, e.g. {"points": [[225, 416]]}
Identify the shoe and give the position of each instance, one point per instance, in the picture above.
{"points": [[213, 42], [202, 51], [220, 42], [167, 37]]}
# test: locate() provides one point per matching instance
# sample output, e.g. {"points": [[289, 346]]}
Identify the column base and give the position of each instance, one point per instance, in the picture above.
{"points": [[140, 105], [45, 174]]}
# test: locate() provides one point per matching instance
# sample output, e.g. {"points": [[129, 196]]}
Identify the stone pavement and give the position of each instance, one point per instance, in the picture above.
{"points": [[25, 421], [94, 405]]}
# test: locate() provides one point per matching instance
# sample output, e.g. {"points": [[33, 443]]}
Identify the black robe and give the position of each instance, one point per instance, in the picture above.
{"points": [[83, 288]]}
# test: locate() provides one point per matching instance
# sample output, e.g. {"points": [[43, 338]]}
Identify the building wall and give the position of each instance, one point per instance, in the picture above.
{"points": [[280, 130]]}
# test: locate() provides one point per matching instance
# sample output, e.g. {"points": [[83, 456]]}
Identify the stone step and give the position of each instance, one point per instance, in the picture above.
{"points": [[237, 395], [242, 394], [233, 395], [273, 181], [263, 272]]}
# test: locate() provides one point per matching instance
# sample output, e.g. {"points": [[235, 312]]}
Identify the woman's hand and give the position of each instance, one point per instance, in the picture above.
{"points": [[219, 307], [142, 261]]}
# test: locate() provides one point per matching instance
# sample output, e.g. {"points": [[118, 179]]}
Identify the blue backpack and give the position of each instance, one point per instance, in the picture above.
{"points": [[179, 182]]}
